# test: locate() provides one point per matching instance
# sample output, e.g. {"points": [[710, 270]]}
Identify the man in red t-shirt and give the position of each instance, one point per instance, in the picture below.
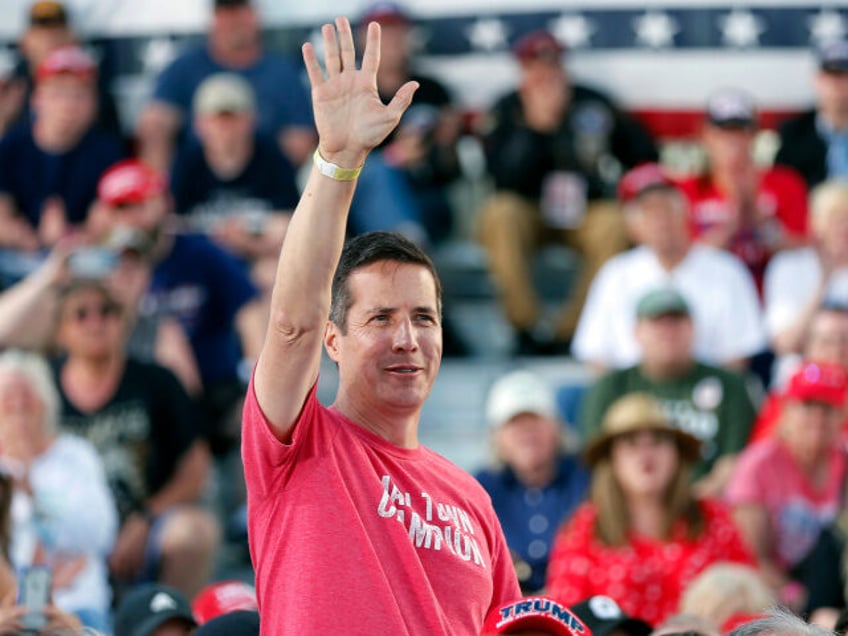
{"points": [[353, 525], [735, 204]]}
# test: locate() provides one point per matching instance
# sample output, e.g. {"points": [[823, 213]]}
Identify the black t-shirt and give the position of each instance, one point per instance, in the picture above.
{"points": [[267, 183], [140, 433], [430, 96]]}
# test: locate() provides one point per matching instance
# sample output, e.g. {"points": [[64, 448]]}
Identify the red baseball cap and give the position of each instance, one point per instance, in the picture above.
{"points": [[539, 613], [222, 598], [639, 180], [815, 382], [537, 44], [129, 181], [385, 13], [67, 60]]}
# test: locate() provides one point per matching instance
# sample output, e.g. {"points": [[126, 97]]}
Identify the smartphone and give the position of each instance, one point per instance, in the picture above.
{"points": [[34, 594], [92, 262]]}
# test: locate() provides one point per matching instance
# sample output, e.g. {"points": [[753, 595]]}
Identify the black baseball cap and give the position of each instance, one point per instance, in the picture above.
{"points": [[731, 108], [148, 607], [602, 616], [833, 56]]}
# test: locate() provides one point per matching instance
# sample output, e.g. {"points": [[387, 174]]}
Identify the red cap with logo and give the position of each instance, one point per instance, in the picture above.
{"points": [[538, 44], [130, 181], [815, 382], [538, 613], [67, 60], [647, 176], [385, 13], [222, 598]]}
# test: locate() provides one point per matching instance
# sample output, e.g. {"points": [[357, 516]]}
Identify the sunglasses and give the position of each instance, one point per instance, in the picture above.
{"points": [[103, 310]]}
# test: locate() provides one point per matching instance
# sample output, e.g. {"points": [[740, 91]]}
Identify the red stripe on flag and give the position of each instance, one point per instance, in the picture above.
{"points": [[663, 124], [686, 124]]}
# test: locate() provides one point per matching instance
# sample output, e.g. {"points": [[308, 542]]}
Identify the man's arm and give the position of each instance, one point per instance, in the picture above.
{"points": [[351, 120], [754, 526], [28, 308]]}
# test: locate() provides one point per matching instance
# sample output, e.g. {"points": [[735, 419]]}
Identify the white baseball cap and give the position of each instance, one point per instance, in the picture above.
{"points": [[519, 392]]}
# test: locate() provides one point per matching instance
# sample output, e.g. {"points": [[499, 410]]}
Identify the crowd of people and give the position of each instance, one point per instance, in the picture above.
{"points": [[168, 293]]}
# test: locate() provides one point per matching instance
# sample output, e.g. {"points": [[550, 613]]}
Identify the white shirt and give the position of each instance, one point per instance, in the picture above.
{"points": [[791, 280], [73, 506], [718, 288]]}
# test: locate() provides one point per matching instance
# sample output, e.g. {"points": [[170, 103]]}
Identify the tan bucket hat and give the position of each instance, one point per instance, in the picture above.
{"points": [[637, 412]]}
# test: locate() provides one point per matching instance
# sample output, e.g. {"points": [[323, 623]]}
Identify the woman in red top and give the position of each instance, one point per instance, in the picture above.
{"points": [[642, 536]]}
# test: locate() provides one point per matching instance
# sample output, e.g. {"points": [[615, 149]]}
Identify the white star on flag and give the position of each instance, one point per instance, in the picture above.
{"points": [[487, 34], [655, 29], [741, 28], [574, 31], [825, 26], [157, 53]]}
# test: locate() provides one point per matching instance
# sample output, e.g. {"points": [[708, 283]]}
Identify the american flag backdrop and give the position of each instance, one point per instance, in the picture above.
{"points": [[659, 58]]}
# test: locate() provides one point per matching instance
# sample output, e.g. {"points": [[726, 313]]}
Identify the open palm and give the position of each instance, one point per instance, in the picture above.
{"points": [[349, 115]]}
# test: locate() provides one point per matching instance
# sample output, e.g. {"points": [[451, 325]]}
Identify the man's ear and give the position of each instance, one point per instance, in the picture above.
{"points": [[331, 340]]}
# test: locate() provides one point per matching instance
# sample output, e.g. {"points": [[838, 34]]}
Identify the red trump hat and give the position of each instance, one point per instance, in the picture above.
{"points": [[130, 181], [639, 180], [537, 613], [815, 382], [222, 598], [67, 60], [538, 44]]}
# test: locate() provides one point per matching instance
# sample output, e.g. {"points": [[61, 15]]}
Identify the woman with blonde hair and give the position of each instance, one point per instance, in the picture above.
{"points": [[62, 512], [642, 535], [727, 592], [799, 281]]}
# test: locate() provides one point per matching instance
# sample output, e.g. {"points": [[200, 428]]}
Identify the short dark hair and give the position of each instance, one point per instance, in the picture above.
{"points": [[373, 247]]}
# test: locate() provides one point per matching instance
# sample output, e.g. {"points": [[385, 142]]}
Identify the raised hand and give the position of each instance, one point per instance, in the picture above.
{"points": [[349, 115]]}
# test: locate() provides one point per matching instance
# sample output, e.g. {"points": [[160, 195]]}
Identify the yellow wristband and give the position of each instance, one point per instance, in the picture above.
{"points": [[333, 171]]}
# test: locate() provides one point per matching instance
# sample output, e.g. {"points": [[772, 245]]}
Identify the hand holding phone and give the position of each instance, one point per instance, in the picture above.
{"points": [[34, 595]]}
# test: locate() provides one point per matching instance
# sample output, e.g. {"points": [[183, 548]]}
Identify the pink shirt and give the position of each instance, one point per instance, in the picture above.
{"points": [[350, 534], [766, 474]]}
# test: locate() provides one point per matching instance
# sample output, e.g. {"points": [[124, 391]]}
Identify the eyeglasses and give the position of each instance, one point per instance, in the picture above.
{"points": [[103, 310]]}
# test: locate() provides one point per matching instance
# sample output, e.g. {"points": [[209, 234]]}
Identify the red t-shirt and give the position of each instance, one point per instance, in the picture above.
{"points": [[781, 203], [646, 577], [350, 534]]}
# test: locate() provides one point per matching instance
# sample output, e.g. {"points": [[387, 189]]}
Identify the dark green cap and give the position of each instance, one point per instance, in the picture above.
{"points": [[659, 302]]}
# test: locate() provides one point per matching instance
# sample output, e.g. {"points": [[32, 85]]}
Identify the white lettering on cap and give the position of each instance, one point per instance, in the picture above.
{"points": [[121, 182], [162, 602], [605, 608]]}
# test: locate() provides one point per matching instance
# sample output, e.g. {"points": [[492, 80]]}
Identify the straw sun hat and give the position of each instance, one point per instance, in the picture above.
{"points": [[637, 412]]}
